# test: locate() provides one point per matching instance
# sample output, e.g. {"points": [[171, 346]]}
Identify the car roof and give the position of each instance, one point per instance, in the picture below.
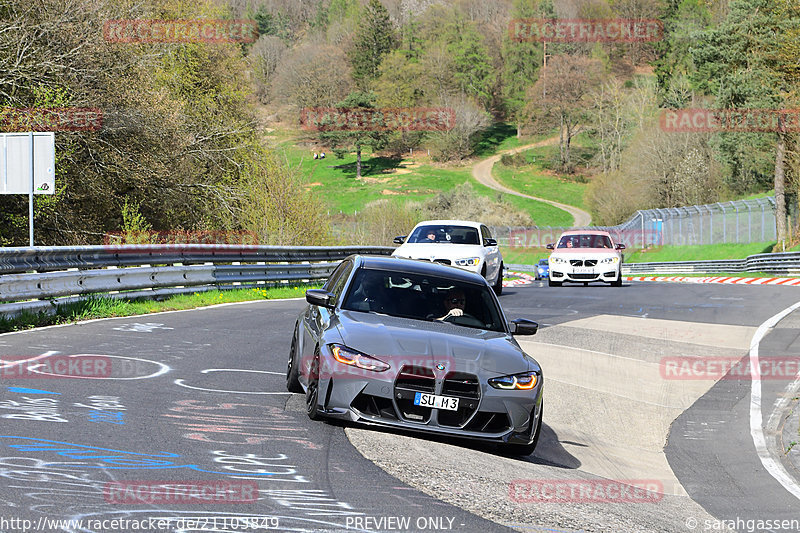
{"points": [[586, 232], [417, 266], [450, 223]]}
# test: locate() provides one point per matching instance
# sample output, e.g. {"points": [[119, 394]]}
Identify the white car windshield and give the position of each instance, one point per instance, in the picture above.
{"points": [[584, 241], [444, 234]]}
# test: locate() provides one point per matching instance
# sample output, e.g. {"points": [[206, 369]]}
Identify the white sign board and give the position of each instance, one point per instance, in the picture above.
{"points": [[15, 163]]}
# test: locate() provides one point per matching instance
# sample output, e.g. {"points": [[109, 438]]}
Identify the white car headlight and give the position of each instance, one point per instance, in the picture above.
{"points": [[557, 260], [609, 261], [468, 262]]}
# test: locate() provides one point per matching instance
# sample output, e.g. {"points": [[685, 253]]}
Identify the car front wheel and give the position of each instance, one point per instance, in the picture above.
{"points": [[292, 378], [312, 390], [617, 282]]}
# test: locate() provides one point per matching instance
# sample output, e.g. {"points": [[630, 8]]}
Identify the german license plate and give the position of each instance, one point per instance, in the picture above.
{"points": [[583, 270], [436, 402]]}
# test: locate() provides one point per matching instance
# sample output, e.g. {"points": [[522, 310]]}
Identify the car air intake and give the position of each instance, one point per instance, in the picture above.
{"points": [[443, 261]]}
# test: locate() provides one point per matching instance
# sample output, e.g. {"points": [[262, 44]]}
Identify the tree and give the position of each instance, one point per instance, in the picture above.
{"points": [[356, 138], [472, 66], [521, 63], [459, 142], [570, 81], [741, 64], [374, 39], [312, 75]]}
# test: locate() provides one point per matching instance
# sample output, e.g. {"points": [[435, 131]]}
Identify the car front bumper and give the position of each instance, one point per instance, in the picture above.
{"points": [[484, 413], [607, 273]]}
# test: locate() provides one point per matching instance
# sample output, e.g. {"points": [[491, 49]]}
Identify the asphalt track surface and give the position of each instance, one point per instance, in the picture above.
{"points": [[199, 396]]}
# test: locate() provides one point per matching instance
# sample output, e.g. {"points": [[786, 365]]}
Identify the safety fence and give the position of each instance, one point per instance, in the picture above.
{"points": [[40, 278], [740, 221]]}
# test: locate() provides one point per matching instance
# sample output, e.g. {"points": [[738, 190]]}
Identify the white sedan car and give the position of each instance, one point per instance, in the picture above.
{"points": [[583, 256], [460, 243]]}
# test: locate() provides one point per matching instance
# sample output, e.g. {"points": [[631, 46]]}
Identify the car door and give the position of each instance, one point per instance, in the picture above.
{"points": [[492, 255]]}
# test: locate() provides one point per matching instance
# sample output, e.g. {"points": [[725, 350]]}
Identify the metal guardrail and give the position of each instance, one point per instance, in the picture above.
{"points": [[39, 278]]}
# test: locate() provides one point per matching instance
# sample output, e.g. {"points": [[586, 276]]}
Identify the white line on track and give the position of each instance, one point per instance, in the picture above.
{"points": [[773, 466]]}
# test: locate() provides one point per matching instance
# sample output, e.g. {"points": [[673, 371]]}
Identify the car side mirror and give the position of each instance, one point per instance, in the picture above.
{"points": [[319, 297], [620, 246], [490, 242], [523, 326], [400, 240], [551, 246]]}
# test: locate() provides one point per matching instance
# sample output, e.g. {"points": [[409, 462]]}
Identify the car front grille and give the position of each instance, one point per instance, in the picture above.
{"points": [[443, 261], [581, 262], [583, 276], [467, 389], [411, 380]]}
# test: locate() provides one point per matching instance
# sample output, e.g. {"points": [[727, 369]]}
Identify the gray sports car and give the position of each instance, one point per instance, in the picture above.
{"points": [[419, 346]]}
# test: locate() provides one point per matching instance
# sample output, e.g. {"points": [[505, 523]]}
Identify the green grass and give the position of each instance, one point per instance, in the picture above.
{"points": [[104, 307], [523, 256], [501, 137], [698, 253], [334, 181], [531, 179]]}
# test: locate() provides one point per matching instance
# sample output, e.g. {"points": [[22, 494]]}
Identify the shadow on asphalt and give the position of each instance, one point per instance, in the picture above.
{"points": [[549, 450]]}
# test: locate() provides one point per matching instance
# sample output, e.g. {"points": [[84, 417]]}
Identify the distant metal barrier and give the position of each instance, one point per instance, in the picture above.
{"points": [[39, 278]]}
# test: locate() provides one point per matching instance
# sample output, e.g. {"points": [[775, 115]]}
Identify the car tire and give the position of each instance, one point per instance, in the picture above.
{"points": [[617, 282], [524, 450], [312, 390], [292, 370], [498, 284], [552, 283]]}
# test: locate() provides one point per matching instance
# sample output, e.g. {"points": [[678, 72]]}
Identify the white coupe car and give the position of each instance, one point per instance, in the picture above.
{"points": [[583, 256], [460, 243]]}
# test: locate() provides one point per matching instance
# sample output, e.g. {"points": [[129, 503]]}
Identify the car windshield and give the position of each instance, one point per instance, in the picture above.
{"points": [[424, 297], [543, 262], [444, 234], [584, 241]]}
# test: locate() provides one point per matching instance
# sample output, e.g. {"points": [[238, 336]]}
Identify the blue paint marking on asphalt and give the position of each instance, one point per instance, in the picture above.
{"points": [[23, 390], [112, 417], [122, 460]]}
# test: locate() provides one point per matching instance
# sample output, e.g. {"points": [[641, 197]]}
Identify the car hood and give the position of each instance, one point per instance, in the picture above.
{"points": [[400, 341], [439, 251]]}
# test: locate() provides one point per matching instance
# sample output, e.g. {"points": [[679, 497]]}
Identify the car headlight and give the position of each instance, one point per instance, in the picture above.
{"points": [[348, 356], [541, 270], [468, 262], [557, 260], [609, 261], [523, 381]]}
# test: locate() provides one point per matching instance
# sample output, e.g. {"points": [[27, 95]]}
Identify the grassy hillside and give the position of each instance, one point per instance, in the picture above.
{"points": [[414, 178]]}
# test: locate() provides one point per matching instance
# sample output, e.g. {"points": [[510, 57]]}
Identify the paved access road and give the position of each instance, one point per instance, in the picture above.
{"points": [[197, 397]]}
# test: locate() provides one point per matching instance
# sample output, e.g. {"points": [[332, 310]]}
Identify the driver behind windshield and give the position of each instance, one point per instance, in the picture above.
{"points": [[454, 303]]}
